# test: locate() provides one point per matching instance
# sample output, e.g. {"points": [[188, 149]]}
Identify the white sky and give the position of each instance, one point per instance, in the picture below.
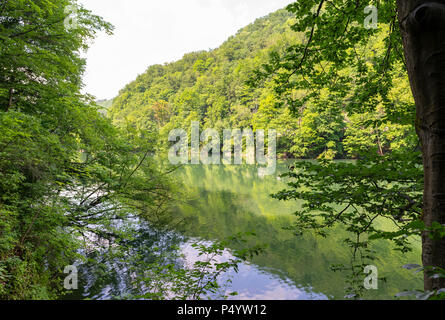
{"points": [[149, 32]]}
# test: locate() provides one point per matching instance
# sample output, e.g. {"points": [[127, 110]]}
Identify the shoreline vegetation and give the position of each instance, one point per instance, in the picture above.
{"points": [[344, 113]]}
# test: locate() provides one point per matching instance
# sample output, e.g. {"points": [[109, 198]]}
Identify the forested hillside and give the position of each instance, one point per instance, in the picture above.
{"points": [[83, 186], [215, 88]]}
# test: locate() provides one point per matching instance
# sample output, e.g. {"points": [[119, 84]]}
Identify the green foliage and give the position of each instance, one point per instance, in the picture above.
{"points": [[211, 87], [65, 170], [358, 73], [333, 90], [372, 198], [242, 85]]}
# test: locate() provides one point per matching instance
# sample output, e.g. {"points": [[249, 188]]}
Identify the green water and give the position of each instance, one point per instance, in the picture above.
{"points": [[220, 201]]}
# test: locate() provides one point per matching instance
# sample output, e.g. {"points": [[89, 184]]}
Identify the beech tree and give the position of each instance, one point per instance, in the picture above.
{"points": [[422, 24]]}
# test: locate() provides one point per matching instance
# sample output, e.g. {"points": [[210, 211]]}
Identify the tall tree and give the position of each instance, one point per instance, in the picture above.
{"points": [[422, 25], [65, 170]]}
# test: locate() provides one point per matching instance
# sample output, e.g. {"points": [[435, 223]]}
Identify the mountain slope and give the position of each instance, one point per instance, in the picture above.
{"points": [[210, 87]]}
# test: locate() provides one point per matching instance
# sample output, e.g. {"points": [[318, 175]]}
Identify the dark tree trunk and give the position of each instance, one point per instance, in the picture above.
{"points": [[11, 94], [423, 30]]}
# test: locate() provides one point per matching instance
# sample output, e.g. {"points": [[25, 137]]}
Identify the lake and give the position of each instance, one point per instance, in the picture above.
{"points": [[218, 201]]}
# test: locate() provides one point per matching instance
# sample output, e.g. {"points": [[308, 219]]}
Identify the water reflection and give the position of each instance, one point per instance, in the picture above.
{"points": [[253, 283], [220, 201], [109, 274], [223, 200]]}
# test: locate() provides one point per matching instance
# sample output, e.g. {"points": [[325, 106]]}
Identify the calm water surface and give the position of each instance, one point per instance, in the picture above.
{"points": [[220, 201]]}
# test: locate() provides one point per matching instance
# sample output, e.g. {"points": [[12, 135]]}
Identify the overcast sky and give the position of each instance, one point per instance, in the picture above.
{"points": [[149, 32]]}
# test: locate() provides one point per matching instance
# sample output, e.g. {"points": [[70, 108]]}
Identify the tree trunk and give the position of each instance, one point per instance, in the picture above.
{"points": [[11, 93], [423, 31]]}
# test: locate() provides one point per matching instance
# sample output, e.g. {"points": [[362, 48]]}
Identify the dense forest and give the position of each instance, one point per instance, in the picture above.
{"points": [[214, 88], [88, 182]]}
